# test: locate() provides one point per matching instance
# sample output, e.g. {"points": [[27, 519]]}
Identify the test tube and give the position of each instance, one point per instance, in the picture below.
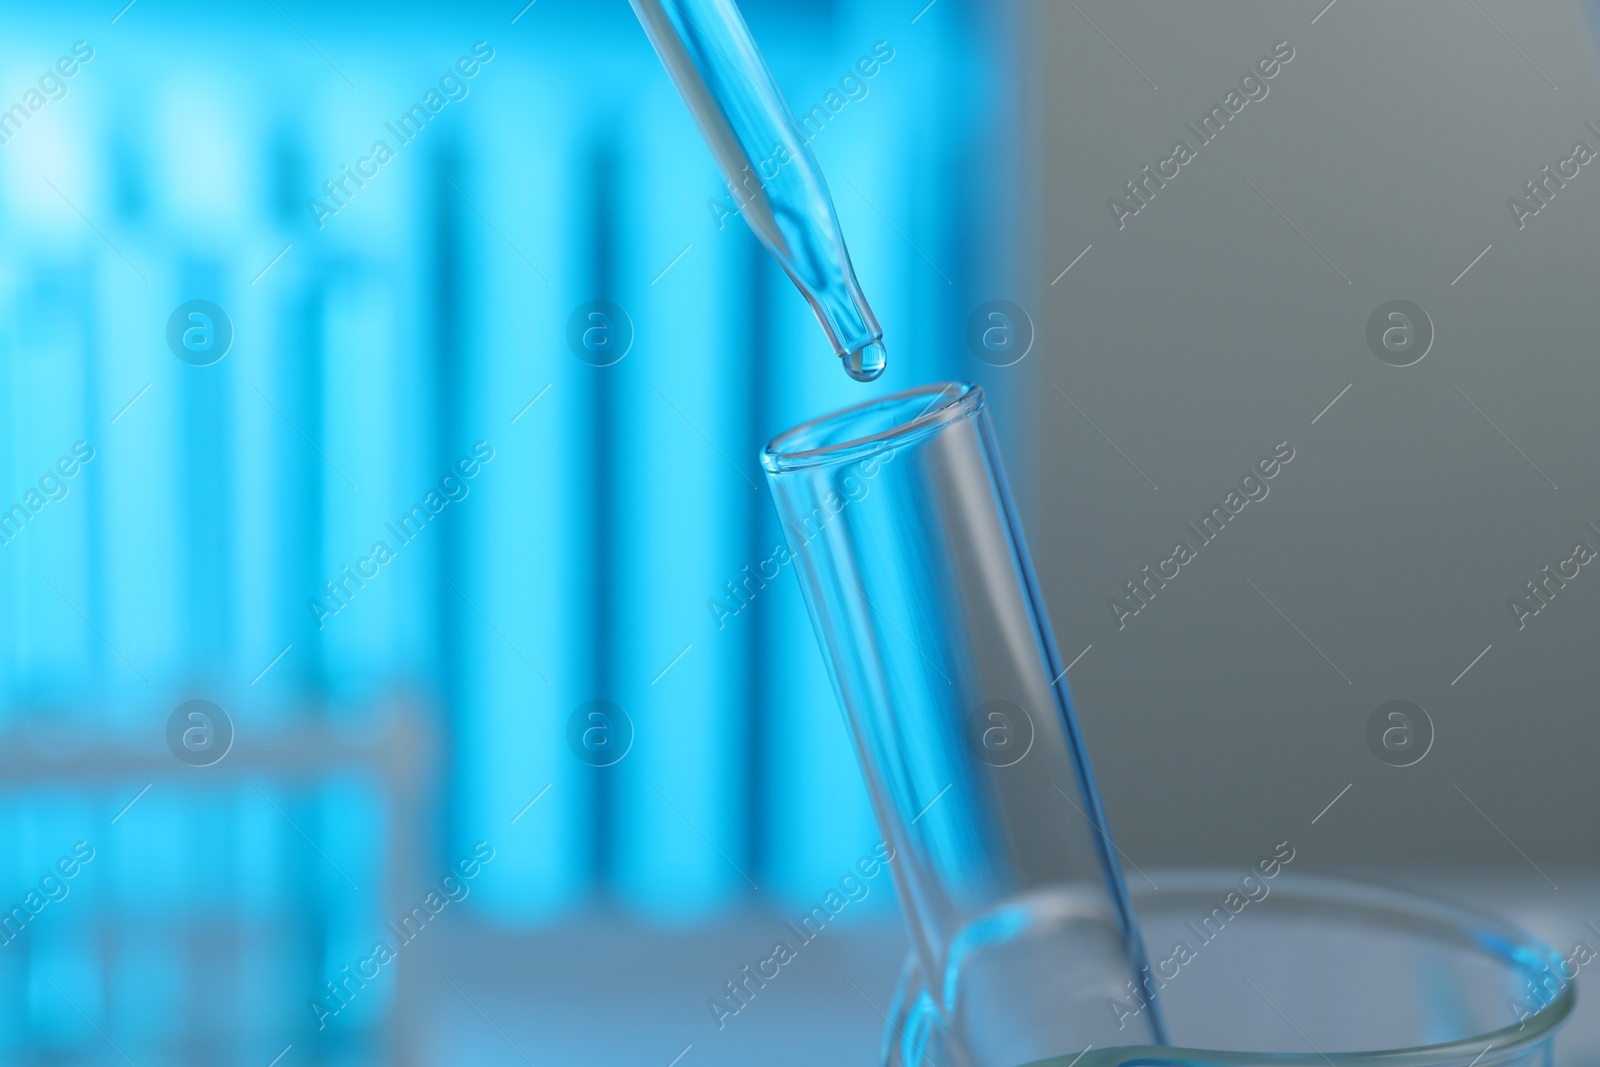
{"points": [[920, 589], [773, 178]]}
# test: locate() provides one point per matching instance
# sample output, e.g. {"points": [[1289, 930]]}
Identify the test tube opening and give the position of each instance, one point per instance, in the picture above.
{"points": [[856, 432]]}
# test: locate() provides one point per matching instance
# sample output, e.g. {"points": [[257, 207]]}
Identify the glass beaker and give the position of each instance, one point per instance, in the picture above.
{"points": [[1343, 974], [920, 589]]}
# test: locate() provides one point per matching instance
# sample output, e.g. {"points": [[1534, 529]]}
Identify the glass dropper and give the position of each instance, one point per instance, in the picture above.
{"points": [[773, 177]]}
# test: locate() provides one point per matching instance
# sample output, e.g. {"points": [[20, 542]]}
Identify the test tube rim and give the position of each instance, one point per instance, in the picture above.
{"points": [[781, 456]]}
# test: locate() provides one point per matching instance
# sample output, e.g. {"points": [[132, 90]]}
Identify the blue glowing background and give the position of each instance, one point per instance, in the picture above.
{"points": [[398, 372]]}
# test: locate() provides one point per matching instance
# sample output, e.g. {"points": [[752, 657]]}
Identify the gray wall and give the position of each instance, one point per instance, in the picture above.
{"points": [[1211, 327]]}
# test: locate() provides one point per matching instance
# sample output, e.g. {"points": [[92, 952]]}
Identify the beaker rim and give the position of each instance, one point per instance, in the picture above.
{"points": [[1405, 911], [875, 425]]}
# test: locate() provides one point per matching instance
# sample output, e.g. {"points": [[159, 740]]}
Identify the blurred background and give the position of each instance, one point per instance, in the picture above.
{"points": [[348, 598]]}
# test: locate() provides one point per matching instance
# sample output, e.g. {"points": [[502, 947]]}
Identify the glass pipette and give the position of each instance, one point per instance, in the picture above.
{"points": [[773, 177]]}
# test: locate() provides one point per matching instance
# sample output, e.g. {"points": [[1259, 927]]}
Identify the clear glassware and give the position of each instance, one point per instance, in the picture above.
{"points": [[1319, 972], [766, 160], [919, 585]]}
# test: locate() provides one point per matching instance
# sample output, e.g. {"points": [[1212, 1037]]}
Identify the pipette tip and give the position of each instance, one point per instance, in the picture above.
{"points": [[866, 363]]}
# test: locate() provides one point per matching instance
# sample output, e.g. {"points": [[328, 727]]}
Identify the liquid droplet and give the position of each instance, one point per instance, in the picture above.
{"points": [[866, 363]]}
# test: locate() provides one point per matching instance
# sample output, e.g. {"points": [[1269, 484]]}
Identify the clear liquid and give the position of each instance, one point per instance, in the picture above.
{"points": [[866, 363]]}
